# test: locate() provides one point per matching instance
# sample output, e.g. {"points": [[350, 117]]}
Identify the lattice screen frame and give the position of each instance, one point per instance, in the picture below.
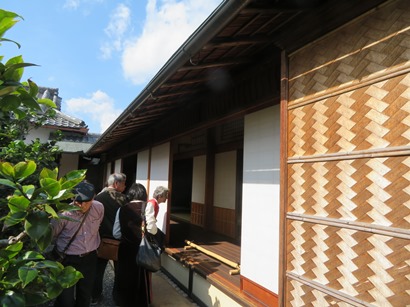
{"points": [[348, 155]]}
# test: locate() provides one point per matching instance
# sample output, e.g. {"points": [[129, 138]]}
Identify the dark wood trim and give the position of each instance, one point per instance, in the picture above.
{"points": [[209, 179], [149, 170], [259, 293], [238, 201], [169, 201], [284, 89]]}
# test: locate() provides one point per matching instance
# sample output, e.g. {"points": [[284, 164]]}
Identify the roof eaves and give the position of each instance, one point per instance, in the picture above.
{"points": [[208, 29]]}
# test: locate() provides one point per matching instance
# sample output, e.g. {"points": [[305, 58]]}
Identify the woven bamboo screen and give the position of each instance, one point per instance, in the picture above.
{"points": [[348, 205]]}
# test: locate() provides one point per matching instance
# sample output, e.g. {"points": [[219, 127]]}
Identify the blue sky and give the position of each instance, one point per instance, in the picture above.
{"points": [[100, 54]]}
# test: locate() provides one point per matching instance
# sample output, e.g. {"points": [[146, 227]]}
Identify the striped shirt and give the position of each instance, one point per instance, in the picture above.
{"points": [[87, 238]]}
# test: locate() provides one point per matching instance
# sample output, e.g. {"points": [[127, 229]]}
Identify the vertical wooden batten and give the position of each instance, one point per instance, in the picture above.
{"points": [[284, 93]]}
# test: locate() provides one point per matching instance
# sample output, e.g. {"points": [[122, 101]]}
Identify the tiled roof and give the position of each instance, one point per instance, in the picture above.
{"points": [[77, 138], [74, 130], [62, 120]]}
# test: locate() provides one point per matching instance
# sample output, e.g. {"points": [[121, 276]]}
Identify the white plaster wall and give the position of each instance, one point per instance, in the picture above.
{"points": [[159, 174], [260, 203], [225, 180], [159, 168], [198, 179], [118, 166], [142, 168], [41, 133]]}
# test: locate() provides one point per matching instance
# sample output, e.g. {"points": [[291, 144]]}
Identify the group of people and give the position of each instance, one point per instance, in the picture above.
{"points": [[109, 214]]}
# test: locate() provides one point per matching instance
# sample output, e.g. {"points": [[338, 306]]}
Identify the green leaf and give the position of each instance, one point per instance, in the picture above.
{"points": [[8, 183], [14, 218], [50, 210], [54, 289], [7, 170], [9, 103], [45, 240], [36, 299], [24, 169], [11, 41], [37, 224], [29, 190], [7, 21], [15, 247], [51, 186], [75, 174], [12, 299], [18, 203], [47, 102], [20, 114], [33, 88], [71, 179], [7, 89], [15, 68], [32, 255], [48, 173], [11, 251], [27, 275], [29, 101], [52, 265], [69, 277]]}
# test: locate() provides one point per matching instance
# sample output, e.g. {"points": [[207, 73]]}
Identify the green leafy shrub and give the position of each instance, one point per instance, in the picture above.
{"points": [[30, 191]]}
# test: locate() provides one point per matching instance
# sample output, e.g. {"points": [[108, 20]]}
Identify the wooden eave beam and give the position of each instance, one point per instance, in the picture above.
{"points": [[177, 93], [236, 41], [234, 61], [183, 82], [159, 104]]}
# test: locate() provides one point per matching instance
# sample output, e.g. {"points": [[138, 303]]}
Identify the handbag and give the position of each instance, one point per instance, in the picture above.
{"points": [[108, 249], [149, 252]]}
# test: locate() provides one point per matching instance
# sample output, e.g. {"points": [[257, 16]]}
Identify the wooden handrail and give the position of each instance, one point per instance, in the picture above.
{"points": [[236, 266]]}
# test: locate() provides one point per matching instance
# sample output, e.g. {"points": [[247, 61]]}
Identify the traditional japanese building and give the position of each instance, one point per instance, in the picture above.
{"points": [[75, 138], [282, 130]]}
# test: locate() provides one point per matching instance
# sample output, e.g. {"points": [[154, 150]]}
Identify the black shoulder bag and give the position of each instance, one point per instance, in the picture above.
{"points": [[149, 253]]}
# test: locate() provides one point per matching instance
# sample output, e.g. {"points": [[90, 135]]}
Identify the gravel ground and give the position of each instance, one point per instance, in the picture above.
{"points": [[165, 291]]}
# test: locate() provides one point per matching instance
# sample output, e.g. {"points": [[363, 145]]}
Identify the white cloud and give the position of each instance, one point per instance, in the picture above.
{"points": [[119, 23], [99, 107], [168, 24], [71, 4], [75, 4]]}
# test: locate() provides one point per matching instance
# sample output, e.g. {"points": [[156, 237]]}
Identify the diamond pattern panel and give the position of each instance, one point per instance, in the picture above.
{"points": [[373, 117], [371, 46], [374, 191], [302, 295], [368, 267]]}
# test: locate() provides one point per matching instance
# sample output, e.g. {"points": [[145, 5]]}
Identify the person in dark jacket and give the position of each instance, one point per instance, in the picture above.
{"points": [[133, 281], [112, 198]]}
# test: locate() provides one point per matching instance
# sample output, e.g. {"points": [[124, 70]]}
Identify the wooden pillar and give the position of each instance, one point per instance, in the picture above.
{"points": [[209, 178]]}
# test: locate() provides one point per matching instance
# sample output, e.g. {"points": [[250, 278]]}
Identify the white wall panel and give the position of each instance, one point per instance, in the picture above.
{"points": [[198, 179], [260, 202], [160, 161], [118, 166], [225, 180], [142, 168]]}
